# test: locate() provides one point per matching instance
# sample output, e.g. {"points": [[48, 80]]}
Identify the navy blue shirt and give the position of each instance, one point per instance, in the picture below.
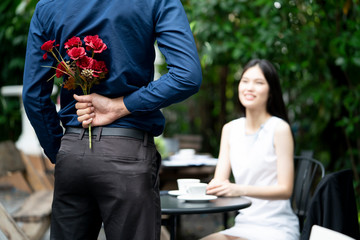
{"points": [[129, 28]]}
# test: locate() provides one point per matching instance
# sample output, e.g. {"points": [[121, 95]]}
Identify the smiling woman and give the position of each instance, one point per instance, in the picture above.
{"points": [[258, 149], [264, 71], [253, 88]]}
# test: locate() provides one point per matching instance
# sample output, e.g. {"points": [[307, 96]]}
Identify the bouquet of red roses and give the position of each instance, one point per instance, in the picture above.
{"points": [[81, 70]]}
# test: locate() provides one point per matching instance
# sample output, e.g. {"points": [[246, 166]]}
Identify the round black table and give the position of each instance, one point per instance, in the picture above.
{"points": [[174, 207]]}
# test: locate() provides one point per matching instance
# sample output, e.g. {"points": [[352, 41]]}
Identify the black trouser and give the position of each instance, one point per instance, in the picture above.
{"points": [[115, 182]]}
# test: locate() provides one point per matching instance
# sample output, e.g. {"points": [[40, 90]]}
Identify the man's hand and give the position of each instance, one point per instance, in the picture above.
{"points": [[99, 110]]}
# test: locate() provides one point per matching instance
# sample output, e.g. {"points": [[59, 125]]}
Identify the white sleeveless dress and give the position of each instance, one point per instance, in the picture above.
{"points": [[253, 162]]}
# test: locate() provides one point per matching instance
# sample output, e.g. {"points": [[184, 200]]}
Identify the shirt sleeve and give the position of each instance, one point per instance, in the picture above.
{"points": [[176, 43], [37, 89]]}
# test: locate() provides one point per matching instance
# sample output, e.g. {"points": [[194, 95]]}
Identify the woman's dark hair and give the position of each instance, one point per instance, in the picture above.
{"points": [[275, 104]]}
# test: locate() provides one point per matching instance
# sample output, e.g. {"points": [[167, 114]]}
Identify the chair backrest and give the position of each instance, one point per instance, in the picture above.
{"points": [[10, 158], [308, 172], [321, 233], [189, 141]]}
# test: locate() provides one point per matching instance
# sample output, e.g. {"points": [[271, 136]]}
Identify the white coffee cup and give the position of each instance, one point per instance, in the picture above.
{"points": [[198, 189], [187, 152], [184, 182]]}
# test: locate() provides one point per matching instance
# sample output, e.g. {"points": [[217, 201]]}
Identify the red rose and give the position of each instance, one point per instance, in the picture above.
{"points": [[99, 66], [85, 62], [73, 42], [48, 46], [76, 52], [94, 43], [60, 70]]}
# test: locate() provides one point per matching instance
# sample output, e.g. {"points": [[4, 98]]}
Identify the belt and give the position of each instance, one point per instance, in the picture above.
{"points": [[110, 131]]}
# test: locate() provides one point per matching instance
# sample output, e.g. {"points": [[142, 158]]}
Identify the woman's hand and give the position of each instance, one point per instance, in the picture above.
{"points": [[223, 188]]}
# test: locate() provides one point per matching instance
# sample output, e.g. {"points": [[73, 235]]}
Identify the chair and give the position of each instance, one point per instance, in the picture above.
{"points": [[189, 141], [31, 220], [321, 233], [308, 173], [333, 205], [19, 173]]}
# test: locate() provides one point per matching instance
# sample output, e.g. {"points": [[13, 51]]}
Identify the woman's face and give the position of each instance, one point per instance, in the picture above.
{"points": [[253, 89]]}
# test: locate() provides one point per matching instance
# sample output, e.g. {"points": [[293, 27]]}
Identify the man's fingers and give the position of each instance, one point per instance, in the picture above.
{"points": [[82, 105], [85, 117], [86, 123], [83, 98], [81, 112]]}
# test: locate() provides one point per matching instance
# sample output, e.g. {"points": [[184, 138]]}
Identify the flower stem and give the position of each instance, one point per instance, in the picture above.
{"points": [[90, 135]]}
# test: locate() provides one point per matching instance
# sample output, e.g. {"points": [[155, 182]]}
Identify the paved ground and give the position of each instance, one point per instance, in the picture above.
{"points": [[191, 227]]}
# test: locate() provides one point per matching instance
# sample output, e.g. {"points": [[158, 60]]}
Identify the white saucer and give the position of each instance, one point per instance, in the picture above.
{"points": [[176, 193], [197, 198]]}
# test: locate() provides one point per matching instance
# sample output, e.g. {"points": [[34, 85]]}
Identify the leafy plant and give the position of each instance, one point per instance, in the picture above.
{"points": [[316, 47], [14, 21]]}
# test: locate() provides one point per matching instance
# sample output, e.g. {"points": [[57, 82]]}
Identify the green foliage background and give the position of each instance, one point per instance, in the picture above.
{"points": [[14, 24], [315, 44]]}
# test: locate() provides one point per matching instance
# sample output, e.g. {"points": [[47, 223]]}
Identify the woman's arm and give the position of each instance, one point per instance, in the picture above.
{"points": [[284, 148], [223, 167]]}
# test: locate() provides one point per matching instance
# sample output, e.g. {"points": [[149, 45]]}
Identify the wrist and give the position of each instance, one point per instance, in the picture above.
{"points": [[118, 108], [242, 190]]}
